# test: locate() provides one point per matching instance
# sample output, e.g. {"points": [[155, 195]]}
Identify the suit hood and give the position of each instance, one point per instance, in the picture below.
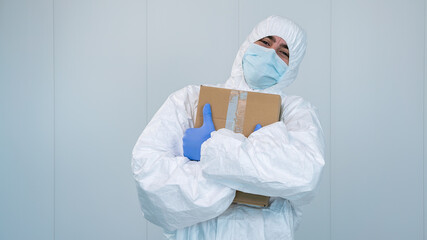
{"points": [[294, 36]]}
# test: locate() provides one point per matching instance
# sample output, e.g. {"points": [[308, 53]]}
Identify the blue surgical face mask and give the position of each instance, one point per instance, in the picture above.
{"points": [[262, 67]]}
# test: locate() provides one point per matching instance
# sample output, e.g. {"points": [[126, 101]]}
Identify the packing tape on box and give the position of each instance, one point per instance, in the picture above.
{"points": [[236, 111]]}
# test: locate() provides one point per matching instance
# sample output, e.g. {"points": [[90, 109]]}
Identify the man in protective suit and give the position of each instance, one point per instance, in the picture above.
{"points": [[284, 160]]}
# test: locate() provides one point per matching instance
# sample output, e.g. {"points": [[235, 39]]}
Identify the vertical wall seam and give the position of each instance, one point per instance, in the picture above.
{"points": [[146, 61], [330, 119], [54, 117], [238, 23], [424, 123], [146, 85]]}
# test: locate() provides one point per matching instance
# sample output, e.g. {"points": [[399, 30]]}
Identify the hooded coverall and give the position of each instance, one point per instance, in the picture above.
{"points": [[283, 160]]}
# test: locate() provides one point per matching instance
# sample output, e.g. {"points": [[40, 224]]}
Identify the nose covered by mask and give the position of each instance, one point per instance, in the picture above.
{"points": [[262, 67]]}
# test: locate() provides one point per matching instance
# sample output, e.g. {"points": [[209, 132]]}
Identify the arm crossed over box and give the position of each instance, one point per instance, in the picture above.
{"points": [[283, 159]]}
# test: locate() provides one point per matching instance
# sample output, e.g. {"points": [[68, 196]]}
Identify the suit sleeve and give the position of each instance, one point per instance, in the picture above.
{"points": [[172, 191], [284, 159]]}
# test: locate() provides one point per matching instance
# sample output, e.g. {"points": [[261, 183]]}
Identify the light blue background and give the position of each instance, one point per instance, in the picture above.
{"points": [[80, 79]]}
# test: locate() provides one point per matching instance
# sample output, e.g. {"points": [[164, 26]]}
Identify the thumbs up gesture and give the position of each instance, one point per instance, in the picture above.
{"points": [[194, 137]]}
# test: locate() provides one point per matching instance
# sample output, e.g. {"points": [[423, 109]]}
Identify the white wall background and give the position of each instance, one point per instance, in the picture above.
{"points": [[80, 79]]}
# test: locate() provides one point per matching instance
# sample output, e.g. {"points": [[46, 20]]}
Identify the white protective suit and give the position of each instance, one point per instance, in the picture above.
{"points": [[284, 160]]}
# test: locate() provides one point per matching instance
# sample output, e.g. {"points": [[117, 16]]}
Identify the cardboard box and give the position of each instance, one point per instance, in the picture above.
{"points": [[240, 111]]}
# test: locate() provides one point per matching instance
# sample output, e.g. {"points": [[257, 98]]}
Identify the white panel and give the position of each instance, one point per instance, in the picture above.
{"points": [[313, 84], [189, 42], [377, 117], [26, 120], [100, 66]]}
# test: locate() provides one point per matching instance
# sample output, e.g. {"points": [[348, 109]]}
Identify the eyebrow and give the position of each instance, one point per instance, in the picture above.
{"points": [[274, 40], [284, 46]]}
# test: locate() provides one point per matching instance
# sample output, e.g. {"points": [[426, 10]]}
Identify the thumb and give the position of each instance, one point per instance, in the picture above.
{"points": [[207, 115]]}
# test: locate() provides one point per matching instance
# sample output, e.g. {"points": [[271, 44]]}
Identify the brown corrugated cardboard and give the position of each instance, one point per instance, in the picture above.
{"points": [[239, 111]]}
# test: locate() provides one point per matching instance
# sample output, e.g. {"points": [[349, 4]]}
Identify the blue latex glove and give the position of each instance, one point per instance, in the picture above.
{"points": [[194, 137], [257, 127]]}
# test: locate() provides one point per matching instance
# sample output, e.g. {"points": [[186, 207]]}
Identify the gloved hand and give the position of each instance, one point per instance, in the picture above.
{"points": [[194, 137]]}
